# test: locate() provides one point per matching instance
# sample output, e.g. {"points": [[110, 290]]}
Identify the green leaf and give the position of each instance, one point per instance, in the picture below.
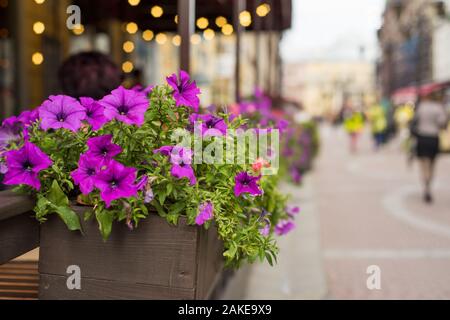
{"points": [[56, 196], [69, 217], [105, 220], [159, 208]]}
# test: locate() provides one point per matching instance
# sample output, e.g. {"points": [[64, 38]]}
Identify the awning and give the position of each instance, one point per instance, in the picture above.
{"points": [[410, 94]]}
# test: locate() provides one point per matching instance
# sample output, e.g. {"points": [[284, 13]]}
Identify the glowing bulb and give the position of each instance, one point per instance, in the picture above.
{"points": [[37, 58], [263, 10], [134, 2], [127, 66], [176, 19], [161, 38], [176, 40], [148, 35], [78, 29], [245, 18], [202, 23], [39, 1], [227, 29], [157, 11], [38, 27], [196, 39], [221, 21], [209, 34], [132, 28], [128, 46]]}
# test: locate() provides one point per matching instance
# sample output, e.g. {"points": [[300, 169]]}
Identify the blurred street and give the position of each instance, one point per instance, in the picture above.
{"points": [[371, 213], [362, 210]]}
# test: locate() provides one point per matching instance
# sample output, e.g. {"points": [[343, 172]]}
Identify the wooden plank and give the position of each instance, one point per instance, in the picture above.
{"points": [[18, 235], [16, 282], [155, 253], [12, 204], [210, 263], [55, 288]]}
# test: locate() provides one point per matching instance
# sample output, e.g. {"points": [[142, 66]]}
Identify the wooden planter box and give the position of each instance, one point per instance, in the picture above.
{"points": [[155, 261]]}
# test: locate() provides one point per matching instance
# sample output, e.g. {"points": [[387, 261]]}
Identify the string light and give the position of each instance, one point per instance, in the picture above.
{"points": [[263, 10], [245, 18], [221, 21], [37, 58], [148, 35], [175, 19], [38, 27], [176, 40], [134, 3], [39, 1], [161, 38], [127, 66], [128, 46], [132, 28], [209, 34], [78, 29], [157, 11], [202, 23], [196, 39], [227, 29]]}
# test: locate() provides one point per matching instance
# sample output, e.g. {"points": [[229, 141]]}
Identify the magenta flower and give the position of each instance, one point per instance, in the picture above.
{"points": [[116, 182], [25, 164], [210, 125], [61, 112], [95, 113], [8, 135], [102, 149], [246, 183], [265, 231], [165, 151], [185, 92], [206, 213], [127, 106], [292, 211], [181, 159], [28, 117], [296, 175], [85, 175], [284, 227], [145, 90]]}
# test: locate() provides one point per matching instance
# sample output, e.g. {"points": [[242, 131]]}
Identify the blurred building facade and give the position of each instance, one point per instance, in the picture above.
{"points": [[414, 40], [144, 38], [324, 87]]}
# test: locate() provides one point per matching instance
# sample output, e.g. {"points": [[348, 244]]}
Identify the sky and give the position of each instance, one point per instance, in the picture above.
{"points": [[333, 30]]}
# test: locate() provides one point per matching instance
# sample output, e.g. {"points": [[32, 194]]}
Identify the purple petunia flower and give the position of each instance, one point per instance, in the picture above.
{"points": [[210, 125], [25, 164], [28, 117], [3, 167], [102, 149], [246, 183], [61, 112], [292, 211], [165, 151], [181, 159], [206, 213], [265, 231], [84, 176], [95, 113], [284, 227], [296, 175], [185, 92], [8, 135], [127, 106], [145, 90], [116, 182]]}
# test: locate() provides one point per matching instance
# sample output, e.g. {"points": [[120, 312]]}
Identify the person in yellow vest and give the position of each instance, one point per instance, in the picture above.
{"points": [[354, 125], [378, 123]]}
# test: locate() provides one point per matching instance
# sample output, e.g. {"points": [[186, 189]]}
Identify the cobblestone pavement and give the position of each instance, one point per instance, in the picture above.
{"points": [[371, 213]]}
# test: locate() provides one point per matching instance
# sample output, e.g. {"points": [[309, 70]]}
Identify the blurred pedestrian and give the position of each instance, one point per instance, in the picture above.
{"points": [[430, 118], [378, 122], [354, 125], [89, 74]]}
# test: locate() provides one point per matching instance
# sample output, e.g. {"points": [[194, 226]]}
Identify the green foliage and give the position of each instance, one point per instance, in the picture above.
{"points": [[238, 219]]}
